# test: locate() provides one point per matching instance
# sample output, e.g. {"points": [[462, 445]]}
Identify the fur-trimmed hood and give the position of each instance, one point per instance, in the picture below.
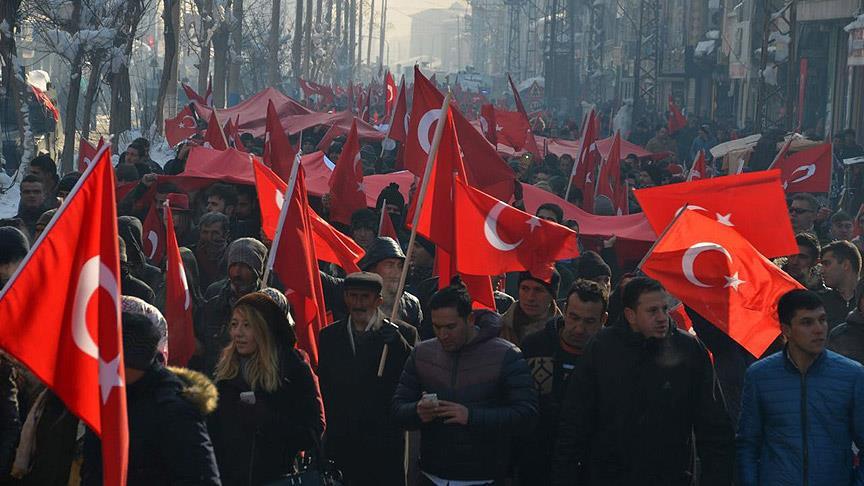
{"points": [[197, 390]]}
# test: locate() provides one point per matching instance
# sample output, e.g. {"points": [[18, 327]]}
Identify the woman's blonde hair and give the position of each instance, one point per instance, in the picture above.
{"points": [[263, 366]]}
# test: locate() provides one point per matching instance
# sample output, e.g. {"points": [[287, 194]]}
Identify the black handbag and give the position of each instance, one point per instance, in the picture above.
{"points": [[316, 470]]}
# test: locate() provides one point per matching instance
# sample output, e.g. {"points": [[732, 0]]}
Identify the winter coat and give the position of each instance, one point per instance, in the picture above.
{"points": [[489, 377], [10, 425], [631, 409], [836, 306], [848, 338], [551, 367], [334, 297], [798, 428], [131, 230], [257, 443], [168, 439], [361, 437], [56, 444]]}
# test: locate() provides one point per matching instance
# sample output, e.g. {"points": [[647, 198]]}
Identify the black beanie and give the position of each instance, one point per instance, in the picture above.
{"points": [[140, 341], [591, 265], [13, 245], [392, 195], [551, 286]]}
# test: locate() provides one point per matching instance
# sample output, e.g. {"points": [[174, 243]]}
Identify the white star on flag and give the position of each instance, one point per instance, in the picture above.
{"points": [[533, 222], [733, 281]]}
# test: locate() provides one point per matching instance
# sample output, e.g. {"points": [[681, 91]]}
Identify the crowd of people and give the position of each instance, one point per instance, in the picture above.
{"points": [[582, 379]]}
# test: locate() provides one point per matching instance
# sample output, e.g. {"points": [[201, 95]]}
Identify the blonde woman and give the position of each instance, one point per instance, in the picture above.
{"points": [[269, 401]]}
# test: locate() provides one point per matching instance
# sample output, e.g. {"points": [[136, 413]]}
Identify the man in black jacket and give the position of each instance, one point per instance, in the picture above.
{"points": [[468, 392], [841, 264], [361, 437], [642, 390], [552, 355], [848, 338]]}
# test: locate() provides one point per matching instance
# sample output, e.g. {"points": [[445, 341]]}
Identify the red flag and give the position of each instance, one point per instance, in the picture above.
{"points": [[194, 96], [754, 204], [325, 93], [46, 102], [489, 123], [436, 217], [178, 300], [208, 95], [697, 172], [154, 235], [367, 104], [278, 152], [295, 261], [330, 244], [391, 91], [87, 153], [587, 152], [590, 184], [385, 227], [808, 170], [399, 123], [233, 136], [720, 275], [180, 127], [682, 320], [494, 238], [346, 181], [782, 153], [610, 183], [676, 121], [529, 142], [486, 170], [72, 342], [214, 137]]}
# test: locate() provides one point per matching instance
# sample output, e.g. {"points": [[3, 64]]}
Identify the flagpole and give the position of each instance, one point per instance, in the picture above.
{"points": [[381, 218], [433, 151], [286, 202], [665, 230]]}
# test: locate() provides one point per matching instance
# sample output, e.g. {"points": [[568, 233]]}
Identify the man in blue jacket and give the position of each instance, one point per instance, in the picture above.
{"points": [[802, 407]]}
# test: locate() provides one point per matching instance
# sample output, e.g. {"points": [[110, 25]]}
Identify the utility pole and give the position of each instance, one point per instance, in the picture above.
{"points": [[594, 78], [514, 44], [777, 79], [383, 32], [646, 66]]}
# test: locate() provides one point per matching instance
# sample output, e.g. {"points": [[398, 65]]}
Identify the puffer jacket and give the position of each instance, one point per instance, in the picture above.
{"points": [[848, 338], [798, 428], [489, 377], [168, 439]]}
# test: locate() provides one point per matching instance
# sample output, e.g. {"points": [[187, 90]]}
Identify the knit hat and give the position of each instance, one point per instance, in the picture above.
{"points": [[249, 251], [381, 248], [590, 265], [140, 341], [277, 321], [392, 195], [13, 245], [551, 286], [281, 301], [134, 305]]}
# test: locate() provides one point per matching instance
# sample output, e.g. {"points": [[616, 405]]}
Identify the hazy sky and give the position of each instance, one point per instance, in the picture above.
{"points": [[400, 22]]}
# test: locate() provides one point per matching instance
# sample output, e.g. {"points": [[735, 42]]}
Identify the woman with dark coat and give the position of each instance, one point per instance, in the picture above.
{"points": [[270, 405]]}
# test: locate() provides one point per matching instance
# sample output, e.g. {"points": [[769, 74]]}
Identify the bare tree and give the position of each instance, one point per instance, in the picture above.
{"points": [[369, 40], [273, 44], [220, 50], [236, 49], [120, 117], [297, 41], [166, 101], [13, 84], [307, 34]]}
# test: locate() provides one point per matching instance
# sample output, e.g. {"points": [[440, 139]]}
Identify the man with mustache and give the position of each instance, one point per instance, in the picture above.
{"points": [[245, 261]]}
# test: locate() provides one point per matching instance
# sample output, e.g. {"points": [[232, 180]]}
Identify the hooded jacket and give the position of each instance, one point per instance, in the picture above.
{"points": [[168, 439], [488, 376], [632, 406], [131, 230], [516, 325]]}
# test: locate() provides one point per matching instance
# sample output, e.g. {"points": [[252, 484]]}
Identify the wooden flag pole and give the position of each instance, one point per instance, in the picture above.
{"points": [[381, 217], [289, 193], [433, 152]]}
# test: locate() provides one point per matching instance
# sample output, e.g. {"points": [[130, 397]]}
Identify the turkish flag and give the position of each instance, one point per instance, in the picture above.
{"points": [[590, 184], [698, 172], [435, 222], [154, 235], [233, 135], [214, 137], [676, 121], [494, 238], [385, 228], [485, 169], [529, 142], [180, 127], [512, 129], [178, 299], [399, 124], [192, 95], [489, 123], [682, 320], [295, 261], [278, 152], [87, 153], [390, 99], [330, 244], [754, 204], [720, 275], [808, 170], [346, 181], [61, 313], [610, 183], [586, 154]]}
